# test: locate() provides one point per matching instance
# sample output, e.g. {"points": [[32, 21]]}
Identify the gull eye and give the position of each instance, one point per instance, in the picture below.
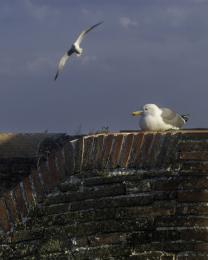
{"points": [[145, 109]]}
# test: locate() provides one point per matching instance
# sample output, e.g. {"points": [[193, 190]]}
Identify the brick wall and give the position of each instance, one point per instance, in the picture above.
{"points": [[112, 196]]}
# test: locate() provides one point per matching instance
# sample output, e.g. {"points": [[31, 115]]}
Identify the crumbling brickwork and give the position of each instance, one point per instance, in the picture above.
{"points": [[112, 196]]}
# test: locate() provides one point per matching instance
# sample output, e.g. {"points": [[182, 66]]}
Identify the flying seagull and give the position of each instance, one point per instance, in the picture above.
{"points": [[154, 118], [75, 48]]}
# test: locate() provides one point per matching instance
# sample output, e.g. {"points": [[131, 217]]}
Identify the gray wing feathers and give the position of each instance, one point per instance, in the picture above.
{"points": [[172, 118], [82, 34], [63, 61], [61, 64]]}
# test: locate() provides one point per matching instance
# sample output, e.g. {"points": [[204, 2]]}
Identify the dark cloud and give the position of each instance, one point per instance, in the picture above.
{"points": [[146, 51]]}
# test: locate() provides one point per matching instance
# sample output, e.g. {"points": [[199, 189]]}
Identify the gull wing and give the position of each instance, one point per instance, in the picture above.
{"points": [[82, 34], [62, 62], [172, 118]]}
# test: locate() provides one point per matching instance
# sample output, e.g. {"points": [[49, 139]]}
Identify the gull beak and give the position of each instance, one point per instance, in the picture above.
{"points": [[137, 113]]}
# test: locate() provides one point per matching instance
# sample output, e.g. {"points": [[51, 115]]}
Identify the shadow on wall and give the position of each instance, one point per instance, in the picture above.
{"points": [[19, 153], [30, 166]]}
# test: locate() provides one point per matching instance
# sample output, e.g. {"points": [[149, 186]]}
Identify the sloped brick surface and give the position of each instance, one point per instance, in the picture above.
{"points": [[120, 196]]}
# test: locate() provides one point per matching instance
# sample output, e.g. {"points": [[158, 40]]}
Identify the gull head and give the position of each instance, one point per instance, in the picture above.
{"points": [[148, 109]]}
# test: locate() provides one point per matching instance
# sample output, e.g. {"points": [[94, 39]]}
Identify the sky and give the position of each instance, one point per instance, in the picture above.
{"points": [[146, 51]]}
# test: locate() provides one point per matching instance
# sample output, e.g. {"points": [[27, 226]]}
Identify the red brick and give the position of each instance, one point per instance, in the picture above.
{"points": [[192, 256], [107, 147], [181, 183], [181, 221], [39, 189], [194, 135], [135, 153], [11, 206], [4, 218], [48, 178], [163, 155], [98, 151], [87, 153], [195, 209], [171, 158], [126, 150], [113, 162], [20, 202], [145, 151], [60, 164], [78, 154], [188, 146], [196, 234], [192, 196], [155, 149], [201, 247], [193, 155], [52, 168], [28, 191], [68, 157], [194, 167]]}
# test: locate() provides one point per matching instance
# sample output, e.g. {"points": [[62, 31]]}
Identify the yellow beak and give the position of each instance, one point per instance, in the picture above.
{"points": [[137, 113]]}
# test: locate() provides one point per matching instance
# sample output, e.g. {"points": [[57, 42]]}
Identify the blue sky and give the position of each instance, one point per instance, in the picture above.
{"points": [[146, 51]]}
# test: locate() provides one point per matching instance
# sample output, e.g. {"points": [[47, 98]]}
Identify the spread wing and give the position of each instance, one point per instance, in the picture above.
{"points": [[62, 62], [82, 34], [172, 118]]}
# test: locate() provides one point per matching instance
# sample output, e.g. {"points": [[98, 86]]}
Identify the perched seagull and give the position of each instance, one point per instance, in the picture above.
{"points": [[75, 48], [154, 118]]}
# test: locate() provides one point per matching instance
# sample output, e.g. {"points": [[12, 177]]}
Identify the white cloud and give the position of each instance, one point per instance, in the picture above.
{"points": [[39, 12], [127, 22], [199, 1], [88, 59], [40, 64], [177, 15], [92, 13]]}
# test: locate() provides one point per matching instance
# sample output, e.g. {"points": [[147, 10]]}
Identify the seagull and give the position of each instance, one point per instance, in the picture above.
{"points": [[154, 118], [75, 48]]}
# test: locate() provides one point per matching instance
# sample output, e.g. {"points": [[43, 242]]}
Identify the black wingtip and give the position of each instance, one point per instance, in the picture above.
{"points": [[99, 23], [56, 76], [185, 117]]}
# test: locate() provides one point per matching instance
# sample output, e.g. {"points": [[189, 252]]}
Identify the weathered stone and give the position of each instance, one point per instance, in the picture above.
{"points": [[25, 235], [113, 190]]}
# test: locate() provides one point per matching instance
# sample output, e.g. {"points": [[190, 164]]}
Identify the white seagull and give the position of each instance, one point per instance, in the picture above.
{"points": [[154, 118], [75, 48]]}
